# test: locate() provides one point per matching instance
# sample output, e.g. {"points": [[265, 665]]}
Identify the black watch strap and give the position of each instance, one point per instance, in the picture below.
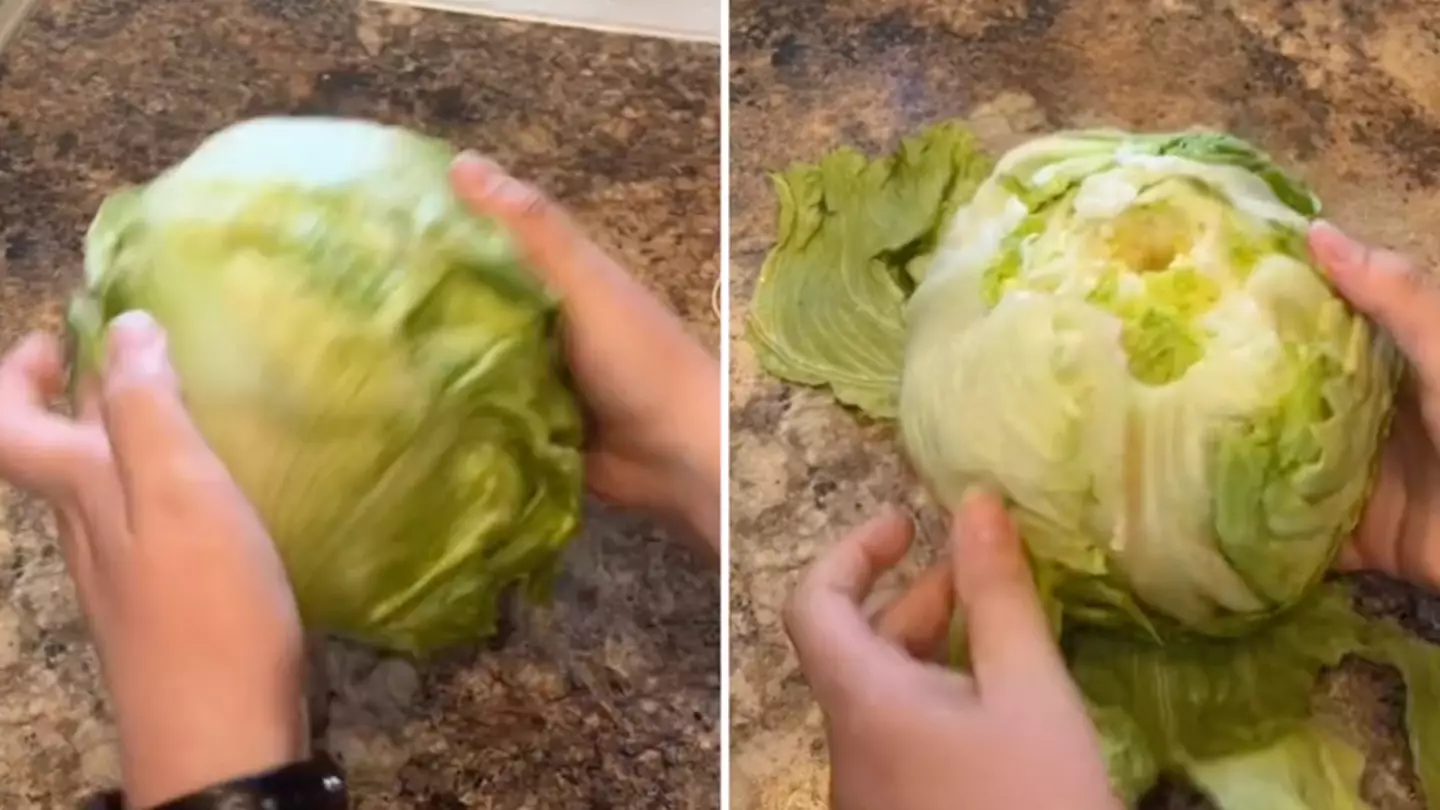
{"points": [[316, 784]]}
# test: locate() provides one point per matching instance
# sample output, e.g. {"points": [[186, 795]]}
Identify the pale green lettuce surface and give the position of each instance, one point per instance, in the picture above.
{"points": [[374, 365], [1124, 334], [1313, 768]]}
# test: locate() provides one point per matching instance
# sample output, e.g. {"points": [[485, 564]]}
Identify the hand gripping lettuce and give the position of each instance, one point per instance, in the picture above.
{"points": [[373, 364], [1124, 334]]}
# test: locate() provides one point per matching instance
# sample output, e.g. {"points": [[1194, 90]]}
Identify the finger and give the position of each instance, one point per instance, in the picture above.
{"points": [[1420, 561], [89, 407], [32, 374], [78, 554], [1349, 559], [919, 620], [1009, 635], [605, 306], [543, 228], [39, 450], [157, 448], [823, 617], [1374, 542], [1390, 289], [1414, 552]]}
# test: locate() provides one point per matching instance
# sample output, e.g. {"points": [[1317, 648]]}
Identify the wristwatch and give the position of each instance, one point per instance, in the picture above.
{"points": [[316, 784]]}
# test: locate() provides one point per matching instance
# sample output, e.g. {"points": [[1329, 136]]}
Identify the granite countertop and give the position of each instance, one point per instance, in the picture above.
{"points": [[609, 700], [1342, 90]]}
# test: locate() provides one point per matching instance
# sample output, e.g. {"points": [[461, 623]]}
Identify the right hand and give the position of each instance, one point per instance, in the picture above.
{"points": [[651, 390], [907, 734], [1399, 534]]}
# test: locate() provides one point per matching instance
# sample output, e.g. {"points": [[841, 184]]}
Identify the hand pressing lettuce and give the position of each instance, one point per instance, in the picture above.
{"points": [[1128, 337]]}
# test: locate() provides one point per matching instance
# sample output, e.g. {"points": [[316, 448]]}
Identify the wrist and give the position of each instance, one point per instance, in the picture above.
{"points": [[207, 731], [162, 762], [314, 783]]}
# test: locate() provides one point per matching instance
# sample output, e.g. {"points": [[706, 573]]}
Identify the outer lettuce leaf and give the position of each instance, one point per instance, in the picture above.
{"points": [[1216, 147], [1131, 764], [1419, 664], [829, 307], [1234, 716], [1311, 769], [1202, 698]]}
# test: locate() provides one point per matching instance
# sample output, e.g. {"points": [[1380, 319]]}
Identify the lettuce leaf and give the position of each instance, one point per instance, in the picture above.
{"points": [[1234, 716], [1202, 698], [1311, 769], [1419, 664], [1132, 766], [852, 236]]}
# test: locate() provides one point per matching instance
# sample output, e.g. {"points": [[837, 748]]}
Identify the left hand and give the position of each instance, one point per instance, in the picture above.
{"points": [[907, 734], [183, 590]]}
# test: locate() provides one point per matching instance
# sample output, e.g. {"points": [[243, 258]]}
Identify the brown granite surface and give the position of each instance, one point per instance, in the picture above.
{"points": [[611, 700], [1346, 91]]}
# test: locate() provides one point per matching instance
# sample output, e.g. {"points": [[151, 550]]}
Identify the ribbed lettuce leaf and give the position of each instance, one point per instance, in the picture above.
{"points": [[853, 233]]}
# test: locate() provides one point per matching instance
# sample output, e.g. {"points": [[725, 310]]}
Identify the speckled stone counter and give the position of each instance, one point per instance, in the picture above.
{"points": [[609, 700], [1345, 91]]}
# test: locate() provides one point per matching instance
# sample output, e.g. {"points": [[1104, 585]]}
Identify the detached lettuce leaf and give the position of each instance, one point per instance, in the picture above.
{"points": [[1419, 664], [1203, 698], [1131, 764], [829, 308], [1234, 716], [1311, 769]]}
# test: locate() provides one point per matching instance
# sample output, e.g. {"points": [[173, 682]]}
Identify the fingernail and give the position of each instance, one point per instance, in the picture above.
{"points": [[137, 342], [978, 518], [1340, 253], [468, 163], [483, 174], [901, 514]]}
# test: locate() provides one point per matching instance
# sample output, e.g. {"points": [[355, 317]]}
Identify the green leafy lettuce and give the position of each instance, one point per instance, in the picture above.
{"points": [[1124, 334], [853, 238], [374, 365]]}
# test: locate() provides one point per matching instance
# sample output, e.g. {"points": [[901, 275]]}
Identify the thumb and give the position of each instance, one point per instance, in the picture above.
{"points": [[543, 228], [1388, 288], [1008, 631], [156, 445]]}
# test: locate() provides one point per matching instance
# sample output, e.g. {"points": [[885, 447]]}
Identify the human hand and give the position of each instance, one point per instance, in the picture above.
{"points": [[1399, 533], [652, 392], [906, 734], [186, 599]]}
